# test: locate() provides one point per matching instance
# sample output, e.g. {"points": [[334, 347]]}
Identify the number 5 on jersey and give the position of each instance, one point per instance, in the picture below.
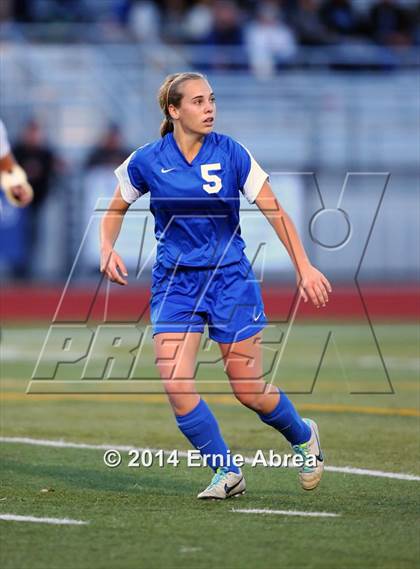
{"points": [[215, 183]]}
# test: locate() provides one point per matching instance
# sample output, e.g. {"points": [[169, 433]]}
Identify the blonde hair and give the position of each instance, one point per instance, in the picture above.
{"points": [[170, 94]]}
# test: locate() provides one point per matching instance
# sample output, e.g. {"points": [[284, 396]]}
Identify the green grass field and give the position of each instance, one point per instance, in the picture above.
{"points": [[150, 518]]}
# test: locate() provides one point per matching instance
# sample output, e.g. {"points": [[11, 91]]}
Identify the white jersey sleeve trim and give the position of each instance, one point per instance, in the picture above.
{"points": [[255, 180], [128, 192], [4, 141]]}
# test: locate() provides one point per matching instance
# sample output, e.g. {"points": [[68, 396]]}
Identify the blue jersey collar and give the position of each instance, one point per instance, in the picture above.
{"points": [[180, 154]]}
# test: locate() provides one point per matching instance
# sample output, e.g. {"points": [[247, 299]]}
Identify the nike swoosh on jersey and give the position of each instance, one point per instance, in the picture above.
{"points": [[166, 170]]}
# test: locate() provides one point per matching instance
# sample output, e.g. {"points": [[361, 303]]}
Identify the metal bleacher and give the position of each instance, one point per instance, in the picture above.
{"points": [[300, 116], [314, 118]]}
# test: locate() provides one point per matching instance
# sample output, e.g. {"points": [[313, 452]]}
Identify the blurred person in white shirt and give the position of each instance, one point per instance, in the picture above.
{"points": [[269, 41], [199, 21], [144, 21]]}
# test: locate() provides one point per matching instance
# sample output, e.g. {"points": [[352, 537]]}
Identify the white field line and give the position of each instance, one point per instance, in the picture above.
{"points": [[287, 513], [367, 472], [186, 549], [33, 519], [248, 460]]}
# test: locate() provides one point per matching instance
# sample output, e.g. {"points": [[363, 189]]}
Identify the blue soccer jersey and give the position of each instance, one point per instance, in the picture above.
{"points": [[195, 205]]}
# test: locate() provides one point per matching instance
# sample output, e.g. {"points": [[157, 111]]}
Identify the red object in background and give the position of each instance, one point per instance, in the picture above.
{"points": [[79, 304]]}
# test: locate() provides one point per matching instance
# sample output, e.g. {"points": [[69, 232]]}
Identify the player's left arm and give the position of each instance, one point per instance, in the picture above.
{"points": [[312, 283]]}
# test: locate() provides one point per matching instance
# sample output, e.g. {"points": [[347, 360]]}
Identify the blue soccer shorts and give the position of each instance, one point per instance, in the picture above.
{"points": [[227, 299]]}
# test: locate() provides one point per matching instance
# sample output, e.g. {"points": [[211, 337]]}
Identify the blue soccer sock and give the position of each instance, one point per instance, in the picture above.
{"points": [[202, 430], [287, 420]]}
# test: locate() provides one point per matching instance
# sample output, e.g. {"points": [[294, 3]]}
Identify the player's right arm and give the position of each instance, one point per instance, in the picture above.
{"points": [[112, 265], [131, 185]]}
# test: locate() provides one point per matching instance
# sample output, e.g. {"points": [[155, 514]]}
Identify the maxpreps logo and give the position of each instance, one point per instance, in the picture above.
{"points": [[103, 356]]}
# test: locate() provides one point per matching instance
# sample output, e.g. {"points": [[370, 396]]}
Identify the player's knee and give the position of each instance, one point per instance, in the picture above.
{"points": [[179, 387], [182, 398], [250, 400]]}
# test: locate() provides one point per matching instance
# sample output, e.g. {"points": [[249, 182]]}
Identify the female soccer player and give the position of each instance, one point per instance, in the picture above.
{"points": [[202, 276]]}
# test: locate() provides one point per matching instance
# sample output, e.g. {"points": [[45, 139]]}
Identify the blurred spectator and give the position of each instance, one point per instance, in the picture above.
{"points": [[41, 165], [173, 21], [227, 25], [415, 24], [22, 11], [274, 27], [120, 10], [340, 17], [37, 159], [109, 151], [144, 21], [389, 24], [288, 8], [308, 25], [269, 41], [199, 21], [62, 11], [225, 35], [99, 183]]}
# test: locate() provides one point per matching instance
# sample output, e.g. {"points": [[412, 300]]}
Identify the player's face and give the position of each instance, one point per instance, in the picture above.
{"points": [[197, 111]]}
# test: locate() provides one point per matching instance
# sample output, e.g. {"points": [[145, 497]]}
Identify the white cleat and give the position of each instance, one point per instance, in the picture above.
{"points": [[310, 473], [224, 484]]}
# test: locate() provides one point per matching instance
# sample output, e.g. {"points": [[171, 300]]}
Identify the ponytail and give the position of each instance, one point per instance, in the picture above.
{"points": [[166, 126], [170, 94]]}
